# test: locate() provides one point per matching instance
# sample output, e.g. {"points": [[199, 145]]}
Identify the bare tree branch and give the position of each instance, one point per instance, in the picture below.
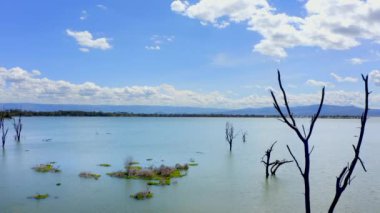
{"points": [[295, 160], [344, 178]]}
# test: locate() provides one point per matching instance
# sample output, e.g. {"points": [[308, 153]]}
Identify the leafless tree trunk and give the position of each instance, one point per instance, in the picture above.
{"points": [[273, 165], [18, 127], [230, 134], [244, 137], [288, 119], [344, 178], [3, 131], [266, 161]]}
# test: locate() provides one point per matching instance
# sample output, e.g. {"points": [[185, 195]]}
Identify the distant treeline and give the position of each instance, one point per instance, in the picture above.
{"points": [[13, 113]]}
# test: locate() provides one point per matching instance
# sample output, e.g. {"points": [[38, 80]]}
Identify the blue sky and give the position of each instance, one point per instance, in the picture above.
{"points": [[205, 53]]}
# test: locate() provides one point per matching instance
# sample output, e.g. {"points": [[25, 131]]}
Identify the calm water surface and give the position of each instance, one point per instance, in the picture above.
{"points": [[223, 181]]}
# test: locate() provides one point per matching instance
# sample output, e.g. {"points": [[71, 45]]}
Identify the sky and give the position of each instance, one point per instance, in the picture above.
{"points": [[202, 53]]}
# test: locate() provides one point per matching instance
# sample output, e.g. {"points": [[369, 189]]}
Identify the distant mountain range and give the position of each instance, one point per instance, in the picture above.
{"points": [[327, 110]]}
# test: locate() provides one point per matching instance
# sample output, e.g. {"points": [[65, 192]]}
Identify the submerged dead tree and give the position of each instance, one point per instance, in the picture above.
{"points": [[272, 166], [288, 118], [17, 125], [3, 131], [244, 137], [345, 176], [230, 135]]}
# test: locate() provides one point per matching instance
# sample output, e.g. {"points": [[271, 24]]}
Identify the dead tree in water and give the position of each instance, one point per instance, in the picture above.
{"points": [[3, 131], [288, 119], [18, 127], [277, 165], [244, 137], [273, 165], [230, 134], [345, 176]]}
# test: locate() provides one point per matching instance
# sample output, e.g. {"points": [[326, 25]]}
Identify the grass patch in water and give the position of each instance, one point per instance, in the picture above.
{"points": [[39, 196], [142, 195], [46, 168], [104, 165], [89, 175]]}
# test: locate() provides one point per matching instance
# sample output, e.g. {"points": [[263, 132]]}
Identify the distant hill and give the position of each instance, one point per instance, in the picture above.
{"points": [[143, 109], [327, 110]]}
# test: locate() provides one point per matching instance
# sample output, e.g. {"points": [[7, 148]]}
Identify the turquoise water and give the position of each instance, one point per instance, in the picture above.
{"points": [[223, 181]]}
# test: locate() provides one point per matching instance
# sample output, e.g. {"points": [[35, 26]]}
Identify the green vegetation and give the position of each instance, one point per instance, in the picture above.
{"points": [[161, 182], [104, 165], [133, 163], [158, 176], [193, 164], [46, 168], [182, 167], [89, 175], [40, 196], [142, 195]]}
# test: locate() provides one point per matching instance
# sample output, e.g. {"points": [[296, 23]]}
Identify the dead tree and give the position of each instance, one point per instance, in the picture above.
{"points": [[244, 137], [345, 176], [3, 131], [288, 118], [266, 162], [277, 165], [273, 165], [18, 127], [230, 134]]}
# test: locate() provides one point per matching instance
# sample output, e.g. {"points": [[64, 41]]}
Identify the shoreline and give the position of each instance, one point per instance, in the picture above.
{"points": [[15, 113]]}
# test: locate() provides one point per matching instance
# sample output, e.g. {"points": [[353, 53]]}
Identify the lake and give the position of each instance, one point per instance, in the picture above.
{"points": [[222, 182]]}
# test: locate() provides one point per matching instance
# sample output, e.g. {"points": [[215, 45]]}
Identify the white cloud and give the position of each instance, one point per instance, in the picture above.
{"points": [[343, 79], [85, 50], [179, 6], [83, 15], [19, 85], [101, 6], [328, 24], [158, 40], [154, 47], [86, 40], [357, 61], [374, 75], [316, 83]]}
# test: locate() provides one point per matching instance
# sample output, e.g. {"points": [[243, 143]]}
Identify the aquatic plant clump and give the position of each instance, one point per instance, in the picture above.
{"points": [[161, 182], [104, 165], [39, 196], [142, 195], [44, 168], [182, 167], [193, 164], [161, 175], [89, 175]]}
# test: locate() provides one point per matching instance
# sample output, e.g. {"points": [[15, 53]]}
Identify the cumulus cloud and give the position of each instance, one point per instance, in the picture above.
{"points": [[316, 83], [343, 79], [87, 41], [328, 24], [357, 61], [19, 85]]}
